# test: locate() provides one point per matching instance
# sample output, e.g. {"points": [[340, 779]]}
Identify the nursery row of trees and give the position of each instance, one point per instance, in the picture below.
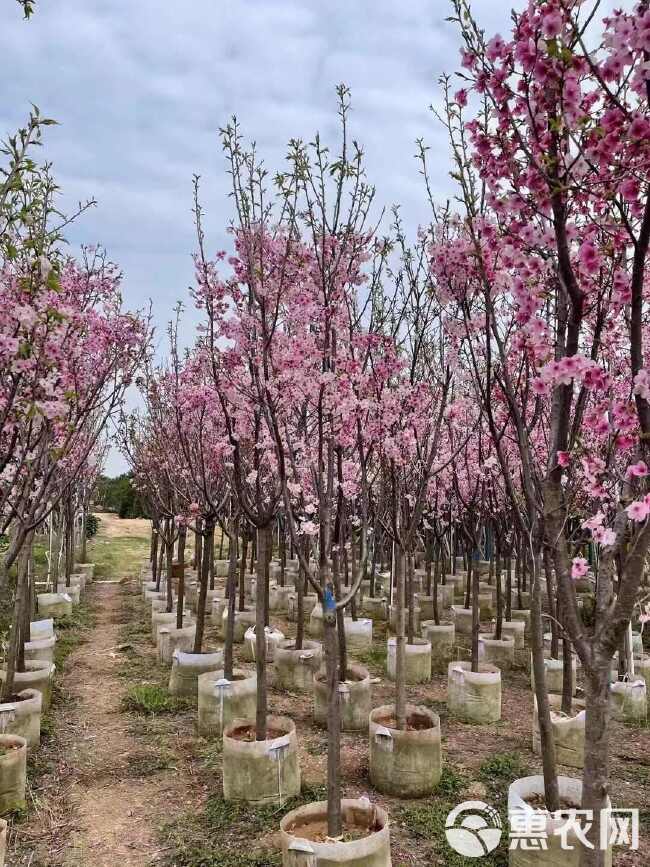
{"points": [[362, 399], [67, 353], [348, 387]]}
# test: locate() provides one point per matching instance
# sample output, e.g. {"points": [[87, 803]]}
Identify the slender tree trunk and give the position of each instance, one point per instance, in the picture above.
{"points": [[161, 557], [551, 595], [69, 542], [400, 649], [334, 821], [28, 606], [549, 766], [84, 541], [198, 551], [476, 622], [340, 622], [497, 576], [567, 677], [16, 635], [509, 588], [260, 636], [376, 544], [411, 599], [182, 536], [436, 610], [267, 568], [470, 571], [282, 545], [169, 547], [242, 571], [232, 596], [300, 606], [208, 554], [595, 776], [154, 553]]}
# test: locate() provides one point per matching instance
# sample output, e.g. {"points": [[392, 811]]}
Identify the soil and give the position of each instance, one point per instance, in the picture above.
{"points": [[414, 723], [316, 831], [98, 811], [5, 749], [247, 733], [538, 803], [15, 698]]}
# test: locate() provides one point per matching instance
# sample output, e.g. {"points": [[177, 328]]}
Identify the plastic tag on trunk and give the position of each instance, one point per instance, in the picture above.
{"points": [[384, 738]]}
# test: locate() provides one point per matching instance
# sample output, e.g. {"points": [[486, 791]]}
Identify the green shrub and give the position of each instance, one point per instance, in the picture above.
{"points": [[92, 525]]}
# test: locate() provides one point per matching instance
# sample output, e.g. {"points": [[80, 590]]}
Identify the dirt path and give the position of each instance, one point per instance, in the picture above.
{"points": [[108, 793]]}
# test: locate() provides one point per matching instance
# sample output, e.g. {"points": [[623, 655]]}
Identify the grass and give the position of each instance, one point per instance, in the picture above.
{"points": [[426, 821], [501, 769], [152, 700], [72, 631], [117, 557], [374, 659], [213, 837]]}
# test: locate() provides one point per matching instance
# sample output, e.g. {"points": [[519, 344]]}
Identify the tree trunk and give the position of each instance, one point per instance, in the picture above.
{"points": [[182, 535], [509, 587], [16, 636], [436, 612], [340, 621], [547, 741], [260, 636], [411, 600], [242, 571], [497, 575], [334, 822], [567, 677], [595, 776], [232, 595], [84, 542], [282, 546], [161, 557], [551, 595], [470, 572], [300, 606], [169, 548], [476, 621], [154, 553], [373, 569], [28, 606], [400, 649], [208, 554], [198, 551]]}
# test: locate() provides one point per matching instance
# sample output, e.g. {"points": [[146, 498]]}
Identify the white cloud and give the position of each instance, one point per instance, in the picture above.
{"points": [[141, 88]]}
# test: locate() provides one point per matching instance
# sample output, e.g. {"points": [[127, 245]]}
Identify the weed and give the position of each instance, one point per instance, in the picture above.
{"points": [[195, 840], [210, 756], [427, 822], [148, 764], [374, 658], [451, 783], [502, 768], [152, 700]]}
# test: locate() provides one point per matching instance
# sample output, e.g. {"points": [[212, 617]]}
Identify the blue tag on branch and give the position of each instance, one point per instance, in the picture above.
{"points": [[329, 602]]}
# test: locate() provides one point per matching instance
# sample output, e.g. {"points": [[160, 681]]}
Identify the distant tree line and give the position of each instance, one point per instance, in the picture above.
{"points": [[120, 496]]}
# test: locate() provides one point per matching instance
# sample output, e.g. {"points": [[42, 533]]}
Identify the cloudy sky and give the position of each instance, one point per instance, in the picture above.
{"points": [[141, 87]]}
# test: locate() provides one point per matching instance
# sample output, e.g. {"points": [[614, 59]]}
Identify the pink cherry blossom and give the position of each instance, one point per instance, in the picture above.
{"points": [[579, 567]]}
